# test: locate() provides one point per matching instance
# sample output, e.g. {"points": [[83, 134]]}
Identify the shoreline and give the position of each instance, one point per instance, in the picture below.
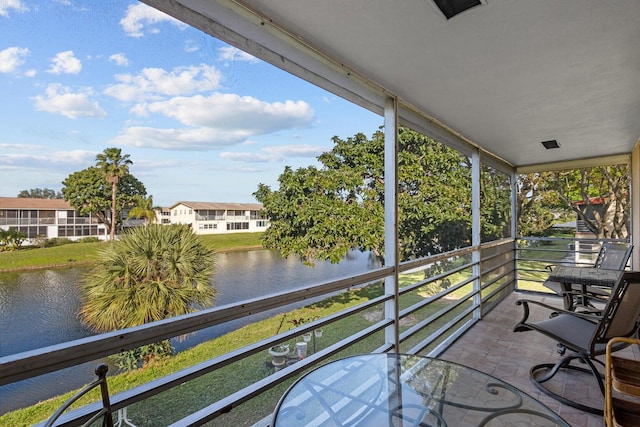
{"points": [[80, 263]]}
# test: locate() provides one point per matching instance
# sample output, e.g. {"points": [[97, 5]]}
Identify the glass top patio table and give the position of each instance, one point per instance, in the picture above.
{"points": [[406, 390], [585, 276], [567, 276]]}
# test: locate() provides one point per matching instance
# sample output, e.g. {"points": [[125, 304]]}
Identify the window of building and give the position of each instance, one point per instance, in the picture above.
{"points": [[237, 226]]}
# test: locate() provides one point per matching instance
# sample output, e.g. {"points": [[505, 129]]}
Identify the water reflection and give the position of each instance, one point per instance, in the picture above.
{"points": [[39, 308]]}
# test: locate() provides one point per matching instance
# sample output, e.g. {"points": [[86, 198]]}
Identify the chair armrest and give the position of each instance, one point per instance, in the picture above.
{"points": [[522, 325]]}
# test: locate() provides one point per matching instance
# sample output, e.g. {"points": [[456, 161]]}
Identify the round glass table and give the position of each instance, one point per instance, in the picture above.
{"points": [[406, 390]]}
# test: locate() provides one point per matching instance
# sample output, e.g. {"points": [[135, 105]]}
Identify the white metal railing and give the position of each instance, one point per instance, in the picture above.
{"points": [[533, 254], [439, 319]]}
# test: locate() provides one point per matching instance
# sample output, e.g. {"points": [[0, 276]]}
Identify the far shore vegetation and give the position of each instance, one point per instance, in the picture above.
{"points": [[65, 253]]}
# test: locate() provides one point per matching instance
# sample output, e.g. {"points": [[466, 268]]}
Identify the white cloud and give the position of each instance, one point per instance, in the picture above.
{"points": [[198, 139], [191, 46], [119, 59], [275, 154], [12, 57], [141, 18], [65, 63], [48, 160], [231, 111], [7, 5], [61, 100], [155, 83], [230, 53]]}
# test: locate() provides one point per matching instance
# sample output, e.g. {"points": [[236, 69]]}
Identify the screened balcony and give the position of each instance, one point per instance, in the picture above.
{"points": [[493, 82]]}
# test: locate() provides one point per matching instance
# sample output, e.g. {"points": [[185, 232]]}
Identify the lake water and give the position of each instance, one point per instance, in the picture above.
{"points": [[39, 308]]}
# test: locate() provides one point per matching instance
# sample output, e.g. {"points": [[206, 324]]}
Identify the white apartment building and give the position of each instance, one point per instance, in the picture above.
{"points": [[49, 218], [219, 218]]}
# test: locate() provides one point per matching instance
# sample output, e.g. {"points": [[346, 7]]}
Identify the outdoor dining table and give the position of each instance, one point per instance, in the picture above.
{"points": [[388, 389], [583, 276]]}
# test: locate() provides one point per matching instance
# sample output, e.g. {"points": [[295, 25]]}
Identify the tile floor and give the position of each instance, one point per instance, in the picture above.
{"points": [[491, 346]]}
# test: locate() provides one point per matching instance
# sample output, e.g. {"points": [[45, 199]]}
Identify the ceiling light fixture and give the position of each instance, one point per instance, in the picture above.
{"points": [[550, 144], [451, 8]]}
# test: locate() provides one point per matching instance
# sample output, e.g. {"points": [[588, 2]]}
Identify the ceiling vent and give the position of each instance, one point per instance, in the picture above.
{"points": [[451, 8], [550, 144]]}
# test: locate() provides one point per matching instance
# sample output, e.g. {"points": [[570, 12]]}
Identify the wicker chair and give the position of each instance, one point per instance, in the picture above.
{"points": [[622, 387]]}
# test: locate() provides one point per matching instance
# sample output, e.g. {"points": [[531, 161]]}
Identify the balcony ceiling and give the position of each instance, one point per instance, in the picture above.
{"points": [[504, 75]]}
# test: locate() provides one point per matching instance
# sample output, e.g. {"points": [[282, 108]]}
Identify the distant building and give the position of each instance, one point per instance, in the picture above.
{"points": [[52, 218], [49, 218], [219, 218]]}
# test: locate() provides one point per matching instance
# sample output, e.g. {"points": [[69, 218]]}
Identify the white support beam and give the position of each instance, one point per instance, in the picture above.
{"points": [[476, 239], [635, 205], [392, 333]]}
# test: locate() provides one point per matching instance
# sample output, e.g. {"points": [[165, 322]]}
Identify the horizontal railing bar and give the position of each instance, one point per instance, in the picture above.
{"points": [[423, 323], [448, 340], [431, 299], [417, 263], [497, 278], [441, 330], [572, 239], [432, 279], [499, 242], [52, 358], [144, 391], [225, 405], [172, 380]]}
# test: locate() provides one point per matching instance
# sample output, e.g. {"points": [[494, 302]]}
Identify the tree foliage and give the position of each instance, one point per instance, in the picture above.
{"points": [[535, 206], [321, 213], [11, 239], [89, 192], [114, 166], [40, 193], [599, 196], [149, 274], [143, 209]]}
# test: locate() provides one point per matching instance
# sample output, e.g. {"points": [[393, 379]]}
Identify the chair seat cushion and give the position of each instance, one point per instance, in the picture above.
{"points": [[573, 332]]}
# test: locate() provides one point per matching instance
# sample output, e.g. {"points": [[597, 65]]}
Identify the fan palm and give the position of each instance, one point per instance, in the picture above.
{"points": [[114, 165], [143, 209], [151, 273]]}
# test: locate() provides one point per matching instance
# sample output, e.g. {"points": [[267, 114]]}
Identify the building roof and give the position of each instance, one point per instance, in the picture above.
{"points": [[33, 203], [220, 206]]}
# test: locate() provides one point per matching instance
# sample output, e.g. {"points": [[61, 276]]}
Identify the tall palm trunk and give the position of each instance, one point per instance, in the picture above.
{"points": [[114, 185]]}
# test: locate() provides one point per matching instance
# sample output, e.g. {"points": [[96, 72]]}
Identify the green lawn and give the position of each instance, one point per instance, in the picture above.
{"points": [[178, 402], [85, 252]]}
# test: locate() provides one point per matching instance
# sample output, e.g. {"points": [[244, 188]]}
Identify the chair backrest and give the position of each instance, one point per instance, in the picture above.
{"points": [[613, 256], [621, 315]]}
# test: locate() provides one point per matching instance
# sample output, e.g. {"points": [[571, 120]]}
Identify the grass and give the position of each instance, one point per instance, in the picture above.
{"points": [[180, 401], [187, 398], [80, 252]]}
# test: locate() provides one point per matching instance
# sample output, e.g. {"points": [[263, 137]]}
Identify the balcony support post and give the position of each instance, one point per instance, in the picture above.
{"points": [[476, 231], [392, 333], [635, 205]]}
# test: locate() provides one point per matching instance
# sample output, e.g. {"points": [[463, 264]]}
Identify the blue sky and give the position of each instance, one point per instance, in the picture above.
{"points": [[201, 120]]}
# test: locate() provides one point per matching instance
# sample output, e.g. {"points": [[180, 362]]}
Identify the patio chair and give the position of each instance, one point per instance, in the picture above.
{"points": [[104, 412], [612, 256], [585, 335]]}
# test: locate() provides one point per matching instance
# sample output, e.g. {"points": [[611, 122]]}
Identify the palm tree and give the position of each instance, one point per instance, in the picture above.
{"points": [[143, 209], [114, 165], [149, 274]]}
